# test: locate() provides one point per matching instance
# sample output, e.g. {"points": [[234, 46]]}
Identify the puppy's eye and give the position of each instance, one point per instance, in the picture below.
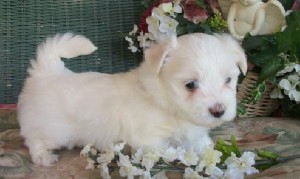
{"points": [[192, 85], [228, 80]]}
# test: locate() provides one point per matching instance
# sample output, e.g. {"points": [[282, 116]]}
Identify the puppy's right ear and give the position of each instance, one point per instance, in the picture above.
{"points": [[157, 55], [241, 58]]}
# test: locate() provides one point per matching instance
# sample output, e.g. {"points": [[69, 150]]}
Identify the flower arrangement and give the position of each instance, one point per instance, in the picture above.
{"points": [[224, 160], [276, 59], [275, 56], [164, 18]]}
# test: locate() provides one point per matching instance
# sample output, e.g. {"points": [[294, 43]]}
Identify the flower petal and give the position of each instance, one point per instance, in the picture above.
{"points": [[295, 95], [167, 7], [285, 84], [276, 93]]}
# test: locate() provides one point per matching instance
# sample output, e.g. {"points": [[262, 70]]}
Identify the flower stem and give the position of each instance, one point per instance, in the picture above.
{"points": [[276, 161], [265, 164]]}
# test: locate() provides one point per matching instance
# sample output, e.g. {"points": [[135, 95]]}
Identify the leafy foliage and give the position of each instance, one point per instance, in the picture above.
{"points": [[271, 53], [227, 148], [264, 50]]}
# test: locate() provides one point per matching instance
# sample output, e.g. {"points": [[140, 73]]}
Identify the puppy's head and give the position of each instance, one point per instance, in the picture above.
{"points": [[198, 73]]}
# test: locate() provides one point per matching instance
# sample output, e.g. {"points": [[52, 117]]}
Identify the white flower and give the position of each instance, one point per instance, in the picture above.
{"points": [[106, 157], [129, 40], [233, 174], [168, 25], [149, 160], [188, 158], [240, 165], [126, 168], [294, 95], [137, 157], [167, 7], [209, 159], [217, 174], [123, 160], [158, 11], [290, 87], [285, 84], [293, 78], [177, 7], [134, 30], [131, 46], [104, 171], [130, 171], [160, 24], [297, 68], [153, 26], [289, 68], [170, 154], [144, 40], [172, 9], [276, 93], [191, 174], [85, 151], [118, 147], [146, 175]]}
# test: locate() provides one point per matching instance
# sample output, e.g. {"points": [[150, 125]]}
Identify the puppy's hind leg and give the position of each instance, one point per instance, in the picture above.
{"points": [[41, 152]]}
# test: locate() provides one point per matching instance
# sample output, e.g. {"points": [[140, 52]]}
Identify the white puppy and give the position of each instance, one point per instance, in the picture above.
{"points": [[183, 88]]}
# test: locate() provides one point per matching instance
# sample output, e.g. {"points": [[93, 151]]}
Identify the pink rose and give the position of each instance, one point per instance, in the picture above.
{"points": [[193, 12]]}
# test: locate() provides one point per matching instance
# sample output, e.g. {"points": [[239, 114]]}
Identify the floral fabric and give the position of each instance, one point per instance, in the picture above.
{"points": [[281, 136]]}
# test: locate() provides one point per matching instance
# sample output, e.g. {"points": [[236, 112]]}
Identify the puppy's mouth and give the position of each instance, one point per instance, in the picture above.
{"points": [[209, 121], [213, 119]]}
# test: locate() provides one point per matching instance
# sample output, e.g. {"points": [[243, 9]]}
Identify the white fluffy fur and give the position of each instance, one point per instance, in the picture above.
{"points": [[148, 107]]}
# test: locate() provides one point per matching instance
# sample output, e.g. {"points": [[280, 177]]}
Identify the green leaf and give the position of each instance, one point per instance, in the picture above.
{"points": [[227, 149], [261, 87], [266, 154], [288, 40], [292, 19], [258, 42], [265, 166], [257, 97], [235, 147], [261, 58], [260, 49], [241, 109], [270, 68]]}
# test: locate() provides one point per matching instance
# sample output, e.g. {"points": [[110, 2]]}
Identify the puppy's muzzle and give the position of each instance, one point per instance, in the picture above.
{"points": [[217, 110]]}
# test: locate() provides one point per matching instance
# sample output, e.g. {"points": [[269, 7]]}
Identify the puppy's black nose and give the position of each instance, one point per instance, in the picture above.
{"points": [[217, 110]]}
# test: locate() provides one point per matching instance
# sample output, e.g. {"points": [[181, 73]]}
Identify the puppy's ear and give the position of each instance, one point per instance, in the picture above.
{"points": [[157, 55], [237, 49]]}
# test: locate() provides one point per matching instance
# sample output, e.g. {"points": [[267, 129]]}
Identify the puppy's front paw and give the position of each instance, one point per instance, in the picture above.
{"points": [[45, 158]]}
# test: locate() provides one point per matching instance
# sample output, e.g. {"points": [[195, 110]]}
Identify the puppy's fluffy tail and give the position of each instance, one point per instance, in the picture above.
{"points": [[49, 54]]}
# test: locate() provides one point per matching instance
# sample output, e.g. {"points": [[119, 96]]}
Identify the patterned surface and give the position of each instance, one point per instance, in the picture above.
{"points": [[278, 135]]}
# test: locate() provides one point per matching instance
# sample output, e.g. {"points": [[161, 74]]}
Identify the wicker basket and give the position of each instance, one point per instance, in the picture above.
{"points": [[26, 23], [264, 107]]}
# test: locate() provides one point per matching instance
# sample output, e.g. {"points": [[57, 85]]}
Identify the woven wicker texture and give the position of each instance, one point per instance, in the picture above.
{"points": [[264, 107], [26, 23]]}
